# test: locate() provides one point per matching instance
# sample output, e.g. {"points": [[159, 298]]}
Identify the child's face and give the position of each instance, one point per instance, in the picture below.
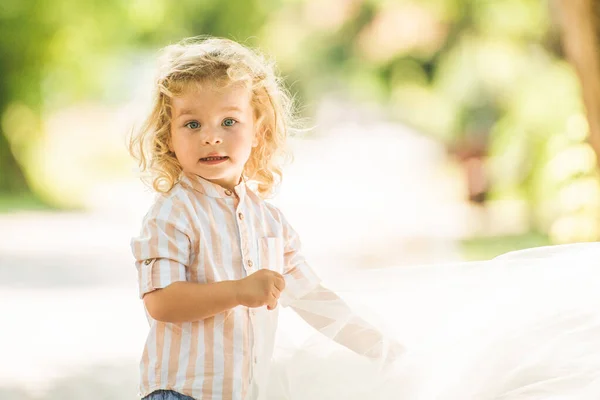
{"points": [[213, 121]]}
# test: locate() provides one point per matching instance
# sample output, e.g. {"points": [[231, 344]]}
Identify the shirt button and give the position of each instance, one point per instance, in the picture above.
{"points": [[255, 360], [241, 216], [228, 192], [250, 263], [148, 261]]}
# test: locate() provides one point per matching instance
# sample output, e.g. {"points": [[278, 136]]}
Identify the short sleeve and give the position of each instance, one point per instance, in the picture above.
{"points": [[162, 251], [300, 278]]}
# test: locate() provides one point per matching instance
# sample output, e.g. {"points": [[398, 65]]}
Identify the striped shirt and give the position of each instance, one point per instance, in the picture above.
{"points": [[201, 232]]}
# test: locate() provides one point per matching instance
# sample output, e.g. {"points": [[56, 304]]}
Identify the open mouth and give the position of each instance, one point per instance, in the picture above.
{"points": [[214, 158]]}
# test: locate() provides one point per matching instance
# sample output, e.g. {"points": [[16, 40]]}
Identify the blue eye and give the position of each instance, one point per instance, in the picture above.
{"points": [[193, 125], [229, 122]]}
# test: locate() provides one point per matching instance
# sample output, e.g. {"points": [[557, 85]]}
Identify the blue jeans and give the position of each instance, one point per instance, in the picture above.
{"points": [[167, 395]]}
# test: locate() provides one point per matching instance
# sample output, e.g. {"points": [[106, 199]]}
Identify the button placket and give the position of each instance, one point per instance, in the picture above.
{"points": [[244, 240]]}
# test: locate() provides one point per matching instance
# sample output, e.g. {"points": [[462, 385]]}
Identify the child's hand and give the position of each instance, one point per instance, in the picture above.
{"points": [[396, 350], [386, 349], [261, 288]]}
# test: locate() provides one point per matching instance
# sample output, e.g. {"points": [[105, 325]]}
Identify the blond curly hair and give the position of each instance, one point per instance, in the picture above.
{"points": [[196, 60]]}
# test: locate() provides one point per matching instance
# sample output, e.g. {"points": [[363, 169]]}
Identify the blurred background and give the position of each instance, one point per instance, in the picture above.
{"points": [[442, 130]]}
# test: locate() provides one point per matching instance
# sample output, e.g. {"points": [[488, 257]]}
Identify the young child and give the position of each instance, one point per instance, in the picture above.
{"points": [[212, 255]]}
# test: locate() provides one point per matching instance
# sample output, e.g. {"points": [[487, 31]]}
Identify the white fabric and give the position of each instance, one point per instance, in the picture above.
{"points": [[523, 326]]}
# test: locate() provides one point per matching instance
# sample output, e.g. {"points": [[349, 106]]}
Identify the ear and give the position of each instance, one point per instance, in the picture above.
{"points": [[255, 139]]}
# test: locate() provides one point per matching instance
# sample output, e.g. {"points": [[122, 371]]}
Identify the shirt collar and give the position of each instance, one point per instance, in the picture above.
{"points": [[212, 189]]}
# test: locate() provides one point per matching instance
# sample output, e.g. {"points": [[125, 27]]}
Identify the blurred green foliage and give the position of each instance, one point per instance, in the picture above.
{"points": [[485, 248], [454, 69]]}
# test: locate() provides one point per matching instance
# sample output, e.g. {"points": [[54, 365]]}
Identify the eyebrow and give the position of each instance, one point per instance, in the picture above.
{"points": [[187, 111]]}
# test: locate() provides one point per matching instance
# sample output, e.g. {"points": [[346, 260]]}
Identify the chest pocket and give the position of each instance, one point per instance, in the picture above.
{"points": [[271, 253]]}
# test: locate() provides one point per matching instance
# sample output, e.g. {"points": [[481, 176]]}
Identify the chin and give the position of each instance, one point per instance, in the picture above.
{"points": [[208, 176], [212, 175]]}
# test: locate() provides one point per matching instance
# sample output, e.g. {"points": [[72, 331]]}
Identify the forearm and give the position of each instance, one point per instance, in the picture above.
{"points": [[356, 334], [189, 301], [344, 326]]}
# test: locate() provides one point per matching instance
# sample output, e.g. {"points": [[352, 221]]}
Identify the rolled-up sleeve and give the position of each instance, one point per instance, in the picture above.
{"points": [[299, 277], [162, 250]]}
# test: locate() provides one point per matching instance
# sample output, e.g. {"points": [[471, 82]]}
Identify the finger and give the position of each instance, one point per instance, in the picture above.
{"points": [[398, 350], [262, 272], [272, 305], [273, 300], [275, 294], [280, 284], [276, 274]]}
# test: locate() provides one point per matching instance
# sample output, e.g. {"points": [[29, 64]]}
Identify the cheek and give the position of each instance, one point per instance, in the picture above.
{"points": [[175, 139], [242, 138], [182, 147], [176, 145], [244, 148]]}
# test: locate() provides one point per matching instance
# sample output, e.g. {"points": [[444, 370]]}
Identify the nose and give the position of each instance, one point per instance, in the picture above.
{"points": [[212, 138]]}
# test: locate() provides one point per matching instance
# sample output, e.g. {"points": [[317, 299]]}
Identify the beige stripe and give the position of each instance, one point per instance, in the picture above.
{"points": [[153, 249], [160, 345], [211, 259], [228, 350], [224, 236], [263, 216], [145, 365], [137, 252], [139, 272], [160, 327], [194, 240], [175, 345], [296, 273], [236, 251], [190, 374], [246, 356], [209, 323], [231, 323], [209, 362], [172, 249], [174, 354], [152, 230], [144, 285], [260, 223], [226, 272]]}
